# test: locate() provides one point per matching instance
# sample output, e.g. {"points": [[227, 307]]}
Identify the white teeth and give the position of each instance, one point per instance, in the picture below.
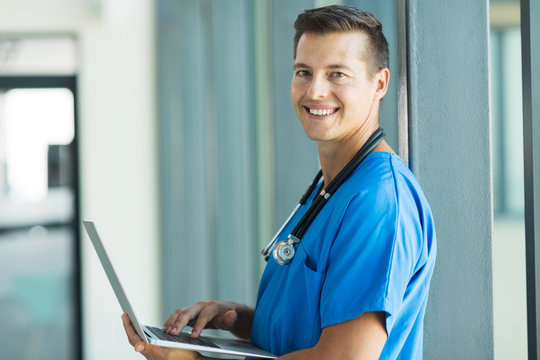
{"points": [[321, 111]]}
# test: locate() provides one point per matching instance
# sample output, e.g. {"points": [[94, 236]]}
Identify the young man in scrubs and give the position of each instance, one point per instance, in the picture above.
{"points": [[358, 284]]}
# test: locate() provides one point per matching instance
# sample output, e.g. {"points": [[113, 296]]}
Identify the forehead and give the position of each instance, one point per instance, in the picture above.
{"points": [[336, 47]]}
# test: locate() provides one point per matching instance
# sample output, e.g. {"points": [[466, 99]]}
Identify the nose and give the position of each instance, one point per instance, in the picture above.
{"points": [[318, 88]]}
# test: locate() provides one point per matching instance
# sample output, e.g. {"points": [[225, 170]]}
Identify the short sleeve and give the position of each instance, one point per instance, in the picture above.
{"points": [[370, 261]]}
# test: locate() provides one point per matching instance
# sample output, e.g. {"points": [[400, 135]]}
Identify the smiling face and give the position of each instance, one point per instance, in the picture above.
{"points": [[332, 91]]}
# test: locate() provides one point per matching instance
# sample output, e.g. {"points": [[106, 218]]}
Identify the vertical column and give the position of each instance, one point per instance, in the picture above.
{"points": [[402, 82], [264, 126], [449, 108], [209, 248], [530, 40], [235, 245], [185, 105]]}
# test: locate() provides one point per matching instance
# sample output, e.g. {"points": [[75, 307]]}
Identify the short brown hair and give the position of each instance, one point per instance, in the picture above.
{"points": [[342, 18]]}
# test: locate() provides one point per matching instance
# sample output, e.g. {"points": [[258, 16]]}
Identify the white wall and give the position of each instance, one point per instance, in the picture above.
{"points": [[118, 156]]}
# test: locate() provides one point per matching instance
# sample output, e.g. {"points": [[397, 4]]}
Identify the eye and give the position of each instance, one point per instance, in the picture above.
{"points": [[302, 73], [338, 74]]}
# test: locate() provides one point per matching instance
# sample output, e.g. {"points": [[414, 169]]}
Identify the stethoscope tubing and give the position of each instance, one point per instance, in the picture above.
{"points": [[322, 198], [267, 250]]}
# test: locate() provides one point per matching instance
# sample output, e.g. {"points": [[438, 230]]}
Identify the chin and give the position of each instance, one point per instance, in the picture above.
{"points": [[316, 136]]}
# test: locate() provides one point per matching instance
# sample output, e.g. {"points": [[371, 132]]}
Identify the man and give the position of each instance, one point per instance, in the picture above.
{"points": [[354, 281]]}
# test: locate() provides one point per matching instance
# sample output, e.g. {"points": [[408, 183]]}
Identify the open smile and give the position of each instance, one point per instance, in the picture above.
{"points": [[320, 111]]}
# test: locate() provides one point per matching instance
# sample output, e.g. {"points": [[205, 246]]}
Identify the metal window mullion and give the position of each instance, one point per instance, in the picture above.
{"points": [[530, 19], [403, 107]]}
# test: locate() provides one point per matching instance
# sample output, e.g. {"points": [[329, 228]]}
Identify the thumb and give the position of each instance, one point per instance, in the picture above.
{"points": [[228, 320], [149, 350], [153, 352]]}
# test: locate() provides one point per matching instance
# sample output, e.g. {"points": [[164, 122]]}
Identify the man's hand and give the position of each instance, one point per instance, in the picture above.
{"points": [[222, 315], [152, 352]]}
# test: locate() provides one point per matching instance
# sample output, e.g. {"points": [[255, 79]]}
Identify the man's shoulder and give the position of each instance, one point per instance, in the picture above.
{"points": [[379, 172], [384, 184]]}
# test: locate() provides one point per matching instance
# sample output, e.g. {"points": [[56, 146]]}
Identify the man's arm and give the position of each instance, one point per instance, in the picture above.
{"points": [[360, 338]]}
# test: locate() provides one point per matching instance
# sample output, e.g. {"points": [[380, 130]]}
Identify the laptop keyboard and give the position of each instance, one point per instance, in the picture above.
{"points": [[181, 338]]}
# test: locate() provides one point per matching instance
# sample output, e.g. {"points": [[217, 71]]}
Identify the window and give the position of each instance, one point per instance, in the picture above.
{"points": [[39, 241]]}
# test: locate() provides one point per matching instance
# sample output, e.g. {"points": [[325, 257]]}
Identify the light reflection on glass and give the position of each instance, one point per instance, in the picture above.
{"points": [[34, 119]]}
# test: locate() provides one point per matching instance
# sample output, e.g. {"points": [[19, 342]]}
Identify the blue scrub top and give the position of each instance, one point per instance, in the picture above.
{"points": [[371, 248]]}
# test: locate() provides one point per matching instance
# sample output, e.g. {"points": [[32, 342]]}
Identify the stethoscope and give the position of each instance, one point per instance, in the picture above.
{"points": [[285, 250]]}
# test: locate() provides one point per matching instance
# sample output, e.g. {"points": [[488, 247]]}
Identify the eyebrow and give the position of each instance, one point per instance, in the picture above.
{"points": [[300, 65], [333, 66]]}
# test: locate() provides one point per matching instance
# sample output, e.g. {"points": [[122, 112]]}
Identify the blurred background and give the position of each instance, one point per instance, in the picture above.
{"points": [[509, 286], [169, 124]]}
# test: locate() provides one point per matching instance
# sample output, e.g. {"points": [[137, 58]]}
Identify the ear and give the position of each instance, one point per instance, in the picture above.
{"points": [[382, 78]]}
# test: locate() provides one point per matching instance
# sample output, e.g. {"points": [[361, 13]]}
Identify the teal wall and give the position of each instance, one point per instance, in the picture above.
{"points": [[449, 106]]}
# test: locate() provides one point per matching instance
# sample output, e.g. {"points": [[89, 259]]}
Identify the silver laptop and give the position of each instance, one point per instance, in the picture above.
{"points": [[154, 334]]}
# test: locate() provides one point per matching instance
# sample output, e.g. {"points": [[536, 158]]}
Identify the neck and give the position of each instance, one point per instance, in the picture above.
{"points": [[335, 156]]}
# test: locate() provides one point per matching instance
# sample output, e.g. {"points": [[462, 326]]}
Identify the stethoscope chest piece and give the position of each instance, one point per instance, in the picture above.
{"points": [[284, 250]]}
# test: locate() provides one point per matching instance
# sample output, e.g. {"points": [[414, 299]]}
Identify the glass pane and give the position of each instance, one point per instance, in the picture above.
{"points": [[509, 287], [36, 232]]}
